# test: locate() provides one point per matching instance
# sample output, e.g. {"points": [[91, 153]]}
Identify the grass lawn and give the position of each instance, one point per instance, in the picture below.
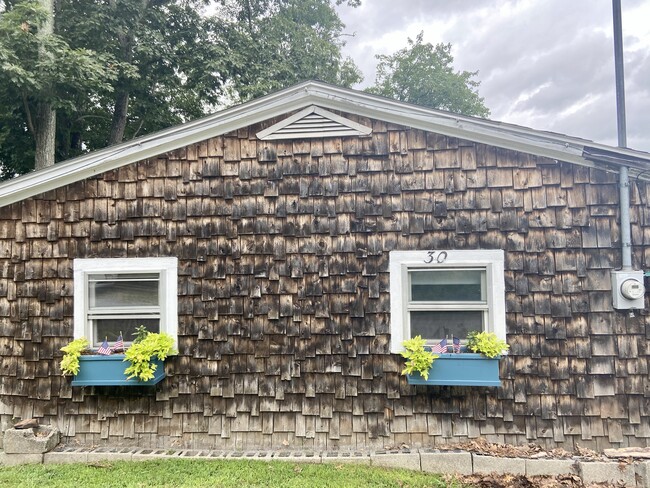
{"points": [[241, 474]]}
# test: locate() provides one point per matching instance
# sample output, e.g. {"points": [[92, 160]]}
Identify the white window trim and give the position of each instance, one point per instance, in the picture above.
{"points": [[403, 261], [166, 266]]}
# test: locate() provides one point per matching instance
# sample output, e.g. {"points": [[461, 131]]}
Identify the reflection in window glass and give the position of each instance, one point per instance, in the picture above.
{"points": [[111, 328], [123, 290], [447, 285], [436, 325]]}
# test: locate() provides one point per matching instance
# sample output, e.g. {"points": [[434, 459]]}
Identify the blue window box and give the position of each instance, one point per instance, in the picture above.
{"points": [[109, 371], [461, 369]]}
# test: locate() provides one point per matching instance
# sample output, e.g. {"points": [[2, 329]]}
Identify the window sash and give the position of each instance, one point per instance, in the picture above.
{"points": [[94, 314], [411, 305]]}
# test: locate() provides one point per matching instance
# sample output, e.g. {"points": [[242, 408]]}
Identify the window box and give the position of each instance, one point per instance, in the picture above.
{"points": [[461, 369], [96, 370]]}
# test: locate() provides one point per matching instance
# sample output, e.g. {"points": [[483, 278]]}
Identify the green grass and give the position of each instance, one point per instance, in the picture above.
{"points": [[191, 473]]}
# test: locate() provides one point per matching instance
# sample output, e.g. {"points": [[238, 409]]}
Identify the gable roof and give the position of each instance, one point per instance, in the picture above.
{"points": [[329, 97]]}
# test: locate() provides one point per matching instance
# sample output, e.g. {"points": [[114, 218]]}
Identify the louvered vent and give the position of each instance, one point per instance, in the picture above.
{"points": [[313, 122]]}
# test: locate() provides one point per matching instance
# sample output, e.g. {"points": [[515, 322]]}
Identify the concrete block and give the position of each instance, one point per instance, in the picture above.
{"points": [[434, 461], [551, 467], [607, 472], [110, 454], [149, 454], [642, 472], [65, 457], [490, 464], [335, 457], [16, 459], [297, 457], [31, 441], [396, 459]]}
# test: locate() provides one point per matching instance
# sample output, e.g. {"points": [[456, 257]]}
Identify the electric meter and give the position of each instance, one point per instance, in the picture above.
{"points": [[628, 291], [632, 289]]}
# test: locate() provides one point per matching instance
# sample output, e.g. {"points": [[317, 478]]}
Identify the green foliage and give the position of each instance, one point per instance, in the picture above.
{"points": [[486, 343], [140, 334], [216, 473], [162, 62], [423, 74], [70, 361], [37, 67], [418, 359], [140, 355], [277, 43]]}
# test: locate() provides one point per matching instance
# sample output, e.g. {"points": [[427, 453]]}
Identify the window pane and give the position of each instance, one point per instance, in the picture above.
{"points": [[448, 285], [445, 324], [111, 328], [123, 290]]}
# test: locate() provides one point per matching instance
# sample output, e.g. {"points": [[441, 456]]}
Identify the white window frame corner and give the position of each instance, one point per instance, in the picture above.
{"points": [[401, 262], [166, 266]]}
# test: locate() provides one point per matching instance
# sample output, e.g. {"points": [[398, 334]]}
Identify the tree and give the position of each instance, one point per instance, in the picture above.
{"points": [[170, 63], [423, 74], [39, 72], [278, 43], [124, 68]]}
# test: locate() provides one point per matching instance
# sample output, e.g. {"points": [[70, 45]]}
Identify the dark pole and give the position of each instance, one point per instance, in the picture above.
{"points": [[623, 177], [620, 74]]}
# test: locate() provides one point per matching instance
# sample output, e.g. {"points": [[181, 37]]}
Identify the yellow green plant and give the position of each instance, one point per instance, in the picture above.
{"points": [[70, 361], [486, 343], [418, 359], [141, 355]]}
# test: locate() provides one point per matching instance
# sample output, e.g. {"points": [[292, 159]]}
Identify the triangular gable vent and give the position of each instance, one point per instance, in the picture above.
{"points": [[311, 123]]}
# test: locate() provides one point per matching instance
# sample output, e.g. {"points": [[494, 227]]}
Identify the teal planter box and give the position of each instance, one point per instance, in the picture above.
{"points": [[109, 371], [461, 369]]}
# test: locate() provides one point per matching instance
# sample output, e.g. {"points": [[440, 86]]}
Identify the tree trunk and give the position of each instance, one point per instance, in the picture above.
{"points": [[126, 41], [45, 123], [118, 125], [44, 136]]}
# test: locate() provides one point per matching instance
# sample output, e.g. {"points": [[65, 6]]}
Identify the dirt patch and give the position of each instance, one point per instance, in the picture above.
{"points": [[531, 451], [520, 481]]}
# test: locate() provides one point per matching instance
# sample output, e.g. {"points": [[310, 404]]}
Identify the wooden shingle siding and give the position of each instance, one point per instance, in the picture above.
{"points": [[284, 313]]}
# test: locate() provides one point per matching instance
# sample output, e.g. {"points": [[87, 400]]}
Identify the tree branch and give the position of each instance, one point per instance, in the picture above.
{"points": [[30, 123], [135, 134]]}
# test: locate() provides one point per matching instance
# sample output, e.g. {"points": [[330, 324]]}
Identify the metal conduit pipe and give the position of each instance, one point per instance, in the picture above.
{"points": [[624, 201]]}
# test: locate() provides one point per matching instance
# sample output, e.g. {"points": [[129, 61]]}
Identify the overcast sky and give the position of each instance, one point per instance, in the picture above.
{"points": [[545, 64]]}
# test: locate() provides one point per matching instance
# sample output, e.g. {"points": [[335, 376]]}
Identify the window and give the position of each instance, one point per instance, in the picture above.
{"points": [[113, 296], [442, 294]]}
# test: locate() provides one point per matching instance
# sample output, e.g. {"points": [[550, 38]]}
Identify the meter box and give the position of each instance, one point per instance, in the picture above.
{"points": [[628, 291]]}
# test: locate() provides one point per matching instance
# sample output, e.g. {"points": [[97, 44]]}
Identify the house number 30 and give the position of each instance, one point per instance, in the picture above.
{"points": [[436, 256]]}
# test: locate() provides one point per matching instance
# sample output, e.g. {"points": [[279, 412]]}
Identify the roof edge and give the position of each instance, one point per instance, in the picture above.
{"points": [[308, 93]]}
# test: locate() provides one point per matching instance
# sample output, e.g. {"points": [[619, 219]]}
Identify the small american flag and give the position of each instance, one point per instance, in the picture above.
{"points": [[456, 344], [104, 349], [440, 348], [119, 343]]}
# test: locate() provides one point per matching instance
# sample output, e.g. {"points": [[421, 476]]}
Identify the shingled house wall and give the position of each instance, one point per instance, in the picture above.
{"points": [[283, 295]]}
